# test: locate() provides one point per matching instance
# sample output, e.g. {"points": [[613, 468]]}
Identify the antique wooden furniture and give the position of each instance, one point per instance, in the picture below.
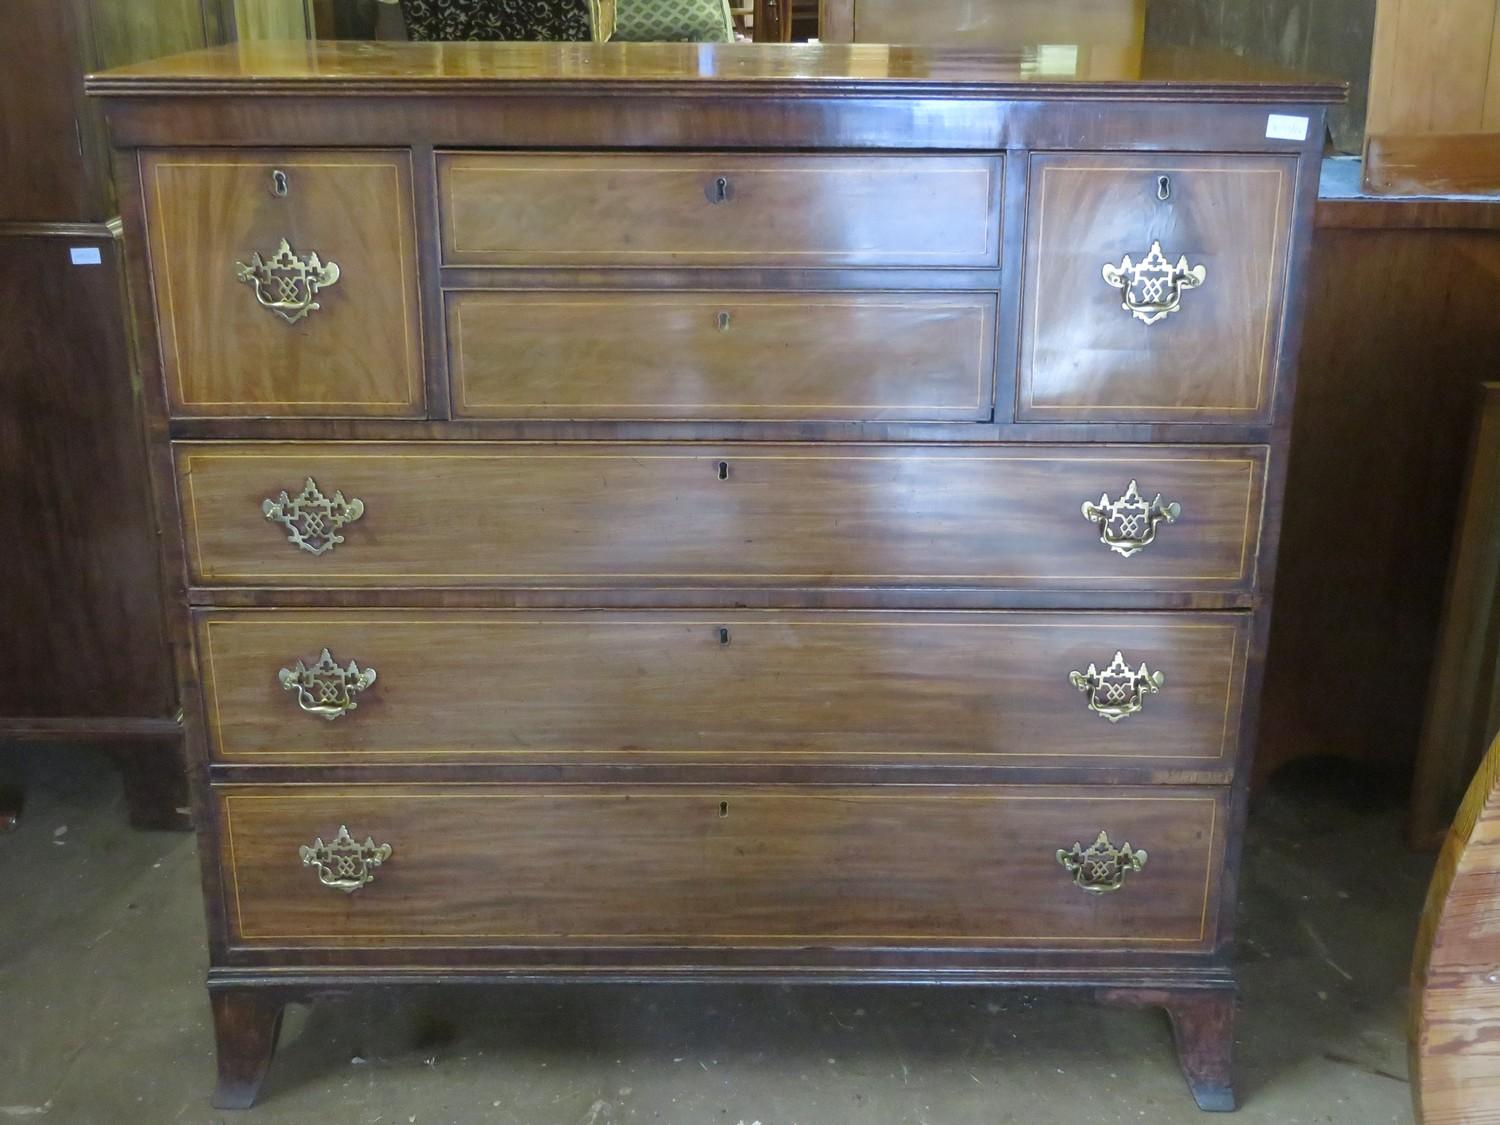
{"points": [[85, 658], [984, 23], [1455, 1007], [590, 568]]}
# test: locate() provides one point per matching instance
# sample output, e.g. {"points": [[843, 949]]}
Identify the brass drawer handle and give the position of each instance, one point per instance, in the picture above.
{"points": [[287, 283], [1129, 524], [325, 689], [1117, 692], [345, 865], [312, 520], [1154, 287], [1101, 867]]}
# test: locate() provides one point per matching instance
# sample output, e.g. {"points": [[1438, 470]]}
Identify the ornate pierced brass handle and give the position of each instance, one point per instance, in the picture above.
{"points": [[287, 283], [345, 865], [1117, 692], [1153, 287], [312, 520], [1101, 867], [325, 689], [1129, 524]]}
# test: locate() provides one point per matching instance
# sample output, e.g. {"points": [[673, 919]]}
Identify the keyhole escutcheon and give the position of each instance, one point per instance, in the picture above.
{"points": [[719, 190], [1164, 188], [723, 470], [279, 186]]}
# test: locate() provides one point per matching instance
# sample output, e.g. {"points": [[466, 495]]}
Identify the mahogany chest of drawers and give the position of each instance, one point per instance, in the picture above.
{"points": [[717, 513]]}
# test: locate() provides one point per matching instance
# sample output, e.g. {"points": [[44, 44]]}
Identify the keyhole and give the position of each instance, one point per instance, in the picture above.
{"points": [[1164, 188], [723, 321], [723, 636], [723, 809], [723, 470], [718, 191], [279, 186]]}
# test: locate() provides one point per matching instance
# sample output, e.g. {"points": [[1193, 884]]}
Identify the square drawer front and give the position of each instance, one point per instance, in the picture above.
{"points": [[1206, 238], [661, 866], [395, 514], [726, 686], [914, 356], [667, 209], [286, 281]]}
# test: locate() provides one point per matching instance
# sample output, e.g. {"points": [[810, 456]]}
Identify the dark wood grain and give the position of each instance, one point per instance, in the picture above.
{"points": [[721, 865], [360, 352], [1203, 1029], [1083, 357], [926, 505], [716, 515], [740, 354], [247, 1023], [82, 593], [732, 686]]}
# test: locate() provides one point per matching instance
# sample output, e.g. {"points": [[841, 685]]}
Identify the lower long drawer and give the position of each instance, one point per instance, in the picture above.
{"points": [[734, 866], [686, 686]]}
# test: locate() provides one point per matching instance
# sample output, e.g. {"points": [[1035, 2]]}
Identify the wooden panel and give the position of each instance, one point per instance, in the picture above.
{"points": [[999, 23], [1433, 77], [1385, 405], [1084, 357], [1455, 1010], [722, 866], [43, 173], [453, 514], [730, 685], [878, 356], [669, 209], [82, 601], [1434, 164], [1463, 703], [358, 353]]}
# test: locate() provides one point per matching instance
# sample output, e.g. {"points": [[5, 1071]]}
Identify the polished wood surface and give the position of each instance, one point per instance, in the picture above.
{"points": [[1442, 164], [1455, 1006], [1463, 703], [724, 209], [359, 353], [721, 865], [721, 514], [758, 69], [733, 686], [83, 604], [1085, 357], [640, 542], [743, 354]]}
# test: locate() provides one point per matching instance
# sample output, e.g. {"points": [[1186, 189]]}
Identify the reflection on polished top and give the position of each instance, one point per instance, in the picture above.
{"points": [[798, 69]]}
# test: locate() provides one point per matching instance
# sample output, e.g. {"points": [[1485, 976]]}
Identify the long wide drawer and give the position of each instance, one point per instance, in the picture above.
{"points": [[720, 209], [914, 356], [661, 866], [1002, 688], [582, 514]]}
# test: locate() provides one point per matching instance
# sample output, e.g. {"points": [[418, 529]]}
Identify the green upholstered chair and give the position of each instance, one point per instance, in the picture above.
{"points": [[542, 20], [673, 21]]}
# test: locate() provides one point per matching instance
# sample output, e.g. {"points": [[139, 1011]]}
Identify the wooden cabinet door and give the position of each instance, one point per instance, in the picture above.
{"points": [[80, 593], [1208, 234], [329, 238]]}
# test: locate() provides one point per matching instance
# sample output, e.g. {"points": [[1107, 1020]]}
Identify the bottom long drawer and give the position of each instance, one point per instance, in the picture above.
{"points": [[981, 866]]}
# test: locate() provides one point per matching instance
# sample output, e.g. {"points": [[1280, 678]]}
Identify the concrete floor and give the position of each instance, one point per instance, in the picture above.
{"points": [[103, 1018]]}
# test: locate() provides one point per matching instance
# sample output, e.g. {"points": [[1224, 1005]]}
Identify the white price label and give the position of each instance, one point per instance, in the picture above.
{"points": [[85, 255], [1285, 127]]}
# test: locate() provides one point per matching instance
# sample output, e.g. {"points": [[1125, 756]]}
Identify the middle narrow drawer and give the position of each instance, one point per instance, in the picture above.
{"points": [[733, 686], [901, 356], [436, 514]]}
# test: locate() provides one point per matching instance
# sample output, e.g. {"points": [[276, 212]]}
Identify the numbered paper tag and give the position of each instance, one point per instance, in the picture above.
{"points": [[85, 255], [1284, 127]]}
